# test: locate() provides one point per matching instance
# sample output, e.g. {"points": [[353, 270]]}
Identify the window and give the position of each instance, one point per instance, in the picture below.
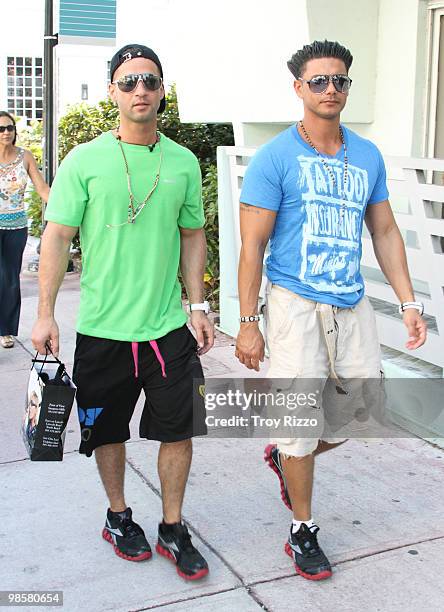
{"points": [[84, 91], [25, 87]]}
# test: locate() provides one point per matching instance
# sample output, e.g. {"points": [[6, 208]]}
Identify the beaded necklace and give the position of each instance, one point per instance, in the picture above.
{"points": [[328, 168]]}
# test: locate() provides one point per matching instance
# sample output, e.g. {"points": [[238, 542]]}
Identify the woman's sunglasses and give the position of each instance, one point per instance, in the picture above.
{"points": [[319, 83], [4, 128], [129, 82]]}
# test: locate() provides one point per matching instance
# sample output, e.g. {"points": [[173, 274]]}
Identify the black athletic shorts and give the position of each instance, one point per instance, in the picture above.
{"points": [[110, 374]]}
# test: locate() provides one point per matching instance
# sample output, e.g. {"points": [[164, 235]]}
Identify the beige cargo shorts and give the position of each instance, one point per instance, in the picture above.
{"points": [[309, 343]]}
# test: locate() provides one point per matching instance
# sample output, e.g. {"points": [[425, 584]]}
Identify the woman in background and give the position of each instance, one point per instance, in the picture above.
{"points": [[16, 166]]}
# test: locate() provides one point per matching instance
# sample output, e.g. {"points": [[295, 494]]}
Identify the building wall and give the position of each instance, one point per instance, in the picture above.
{"points": [[354, 23], [234, 45], [152, 23], [23, 39], [229, 61], [137, 21], [240, 51], [78, 64], [401, 74], [75, 64], [233, 63]]}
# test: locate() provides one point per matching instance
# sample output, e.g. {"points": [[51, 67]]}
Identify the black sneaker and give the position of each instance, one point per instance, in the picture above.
{"points": [[272, 457], [309, 560], [126, 536], [175, 543]]}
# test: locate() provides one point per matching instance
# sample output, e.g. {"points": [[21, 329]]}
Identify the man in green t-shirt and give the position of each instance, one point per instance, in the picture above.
{"points": [[136, 197]]}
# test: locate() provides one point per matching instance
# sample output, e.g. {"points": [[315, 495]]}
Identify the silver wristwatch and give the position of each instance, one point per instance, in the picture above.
{"points": [[205, 306], [419, 306]]}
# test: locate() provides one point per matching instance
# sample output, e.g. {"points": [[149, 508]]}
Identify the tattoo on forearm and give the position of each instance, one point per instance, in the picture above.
{"points": [[250, 209]]}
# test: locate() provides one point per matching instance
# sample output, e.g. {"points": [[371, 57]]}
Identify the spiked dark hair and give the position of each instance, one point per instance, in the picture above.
{"points": [[318, 49]]}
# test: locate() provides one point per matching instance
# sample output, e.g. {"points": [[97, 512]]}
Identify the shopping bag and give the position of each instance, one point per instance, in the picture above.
{"points": [[49, 401]]}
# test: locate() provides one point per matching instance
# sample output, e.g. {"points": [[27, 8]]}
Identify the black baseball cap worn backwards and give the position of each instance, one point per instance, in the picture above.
{"points": [[129, 52]]}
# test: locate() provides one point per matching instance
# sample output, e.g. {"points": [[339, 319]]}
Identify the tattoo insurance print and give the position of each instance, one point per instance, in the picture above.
{"points": [[331, 245]]}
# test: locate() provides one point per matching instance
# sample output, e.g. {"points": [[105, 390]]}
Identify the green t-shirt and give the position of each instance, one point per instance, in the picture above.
{"points": [[129, 285]]}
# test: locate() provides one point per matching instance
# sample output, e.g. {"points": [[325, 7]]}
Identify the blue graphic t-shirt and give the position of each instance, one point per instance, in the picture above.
{"points": [[312, 251]]}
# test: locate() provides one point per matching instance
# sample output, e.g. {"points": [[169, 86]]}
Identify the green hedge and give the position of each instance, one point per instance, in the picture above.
{"points": [[209, 194]]}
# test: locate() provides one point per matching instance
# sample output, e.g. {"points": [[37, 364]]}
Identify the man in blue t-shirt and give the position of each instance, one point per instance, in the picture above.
{"points": [[308, 191]]}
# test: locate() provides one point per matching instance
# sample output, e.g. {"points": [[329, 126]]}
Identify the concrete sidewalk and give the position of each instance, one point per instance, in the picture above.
{"points": [[379, 505]]}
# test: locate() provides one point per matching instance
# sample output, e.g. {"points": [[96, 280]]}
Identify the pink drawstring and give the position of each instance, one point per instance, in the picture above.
{"points": [[155, 348], [135, 348]]}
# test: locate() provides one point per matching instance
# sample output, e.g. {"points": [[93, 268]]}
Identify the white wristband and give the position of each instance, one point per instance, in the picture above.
{"points": [[419, 306], [202, 306]]}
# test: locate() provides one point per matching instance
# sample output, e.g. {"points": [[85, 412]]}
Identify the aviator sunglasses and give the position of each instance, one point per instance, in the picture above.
{"points": [[319, 83], [4, 128], [129, 82]]}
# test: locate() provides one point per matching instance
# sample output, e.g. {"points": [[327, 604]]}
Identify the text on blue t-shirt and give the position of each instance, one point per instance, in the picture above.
{"points": [[314, 250]]}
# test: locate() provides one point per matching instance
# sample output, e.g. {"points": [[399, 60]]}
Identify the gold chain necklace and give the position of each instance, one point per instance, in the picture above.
{"points": [[327, 167], [135, 207]]}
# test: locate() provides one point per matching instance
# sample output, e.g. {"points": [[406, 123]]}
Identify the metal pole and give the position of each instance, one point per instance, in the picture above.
{"points": [[49, 119], [50, 41], [49, 162]]}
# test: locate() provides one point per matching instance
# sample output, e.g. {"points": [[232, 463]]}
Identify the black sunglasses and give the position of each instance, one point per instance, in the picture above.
{"points": [[129, 82], [4, 128], [319, 83]]}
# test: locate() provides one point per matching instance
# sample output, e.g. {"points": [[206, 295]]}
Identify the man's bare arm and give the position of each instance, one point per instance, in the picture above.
{"points": [[389, 249], [390, 253], [193, 256], [256, 225], [54, 253]]}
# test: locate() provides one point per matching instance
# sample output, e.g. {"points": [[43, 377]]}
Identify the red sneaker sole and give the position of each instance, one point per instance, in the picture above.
{"points": [[270, 462], [320, 576], [143, 557], [166, 553]]}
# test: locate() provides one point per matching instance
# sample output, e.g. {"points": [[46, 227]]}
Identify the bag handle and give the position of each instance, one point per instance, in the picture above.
{"points": [[45, 359]]}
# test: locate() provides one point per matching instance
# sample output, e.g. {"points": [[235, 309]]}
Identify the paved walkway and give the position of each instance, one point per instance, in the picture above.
{"points": [[379, 504]]}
